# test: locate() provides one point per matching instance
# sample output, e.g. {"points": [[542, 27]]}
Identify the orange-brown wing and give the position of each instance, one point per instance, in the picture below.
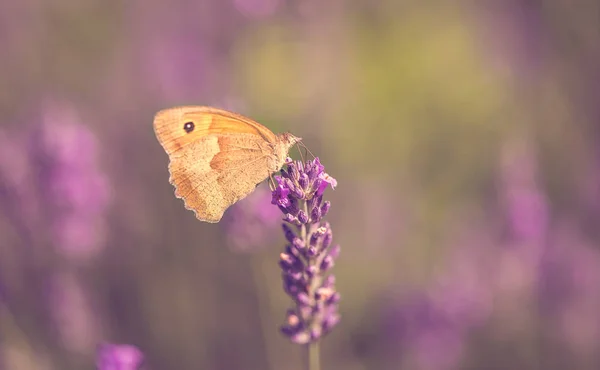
{"points": [[216, 157], [214, 172], [177, 127], [194, 180]]}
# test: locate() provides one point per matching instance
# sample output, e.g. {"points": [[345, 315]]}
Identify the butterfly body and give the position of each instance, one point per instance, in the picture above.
{"points": [[217, 157]]}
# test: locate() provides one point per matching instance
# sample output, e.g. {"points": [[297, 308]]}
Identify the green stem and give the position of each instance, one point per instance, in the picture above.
{"points": [[313, 356]]}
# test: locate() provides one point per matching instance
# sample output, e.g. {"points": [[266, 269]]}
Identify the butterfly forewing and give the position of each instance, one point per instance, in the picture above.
{"points": [[170, 126], [216, 157]]}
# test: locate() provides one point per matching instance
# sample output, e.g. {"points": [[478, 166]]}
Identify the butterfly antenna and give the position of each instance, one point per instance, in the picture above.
{"points": [[305, 149], [300, 152]]}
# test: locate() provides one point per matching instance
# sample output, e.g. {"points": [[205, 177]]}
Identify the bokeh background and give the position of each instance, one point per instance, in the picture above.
{"points": [[463, 135]]}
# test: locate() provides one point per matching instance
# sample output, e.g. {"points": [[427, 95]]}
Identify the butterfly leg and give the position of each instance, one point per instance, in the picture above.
{"points": [[272, 184]]}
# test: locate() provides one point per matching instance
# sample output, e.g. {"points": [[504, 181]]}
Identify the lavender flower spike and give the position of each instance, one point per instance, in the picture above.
{"points": [[308, 256]]}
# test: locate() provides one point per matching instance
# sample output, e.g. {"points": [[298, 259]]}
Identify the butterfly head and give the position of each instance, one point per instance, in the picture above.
{"points": [[288, 139], [284, 142]]}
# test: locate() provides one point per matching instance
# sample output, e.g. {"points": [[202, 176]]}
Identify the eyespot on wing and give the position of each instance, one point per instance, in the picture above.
{"points": [[177, 127]]}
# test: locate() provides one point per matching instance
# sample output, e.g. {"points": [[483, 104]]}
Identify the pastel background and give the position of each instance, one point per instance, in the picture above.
{"points": [[463, 136]]}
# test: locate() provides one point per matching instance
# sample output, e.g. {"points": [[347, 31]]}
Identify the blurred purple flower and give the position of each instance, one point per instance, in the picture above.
{"points": [[73, 316], [50, 178], [56, 196], [309, 255], [62, 176], [525, 202], [527, 217], [568, 290], [249, 224], [73, 192], [419, 332], [118, 357], [430, 328]]}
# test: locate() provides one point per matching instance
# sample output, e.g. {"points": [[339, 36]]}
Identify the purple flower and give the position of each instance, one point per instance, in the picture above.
{"points": [[50, 179], [280, 194], [52, 190], [118, 357], [250, 222], [309, 254], [326, 180], [63, 154]]}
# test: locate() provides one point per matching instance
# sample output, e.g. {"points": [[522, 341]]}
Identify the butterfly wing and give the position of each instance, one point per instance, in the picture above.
{"points": [[217, 163], [209, 183], [170, 126]]}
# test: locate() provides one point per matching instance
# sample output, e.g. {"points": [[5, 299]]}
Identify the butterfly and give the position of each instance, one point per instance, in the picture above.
{"points": [[217, 157]]}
